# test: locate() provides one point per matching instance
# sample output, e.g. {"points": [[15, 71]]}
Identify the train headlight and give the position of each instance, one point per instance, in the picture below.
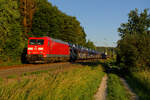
{"points": [[30, 48], [40, 48]]}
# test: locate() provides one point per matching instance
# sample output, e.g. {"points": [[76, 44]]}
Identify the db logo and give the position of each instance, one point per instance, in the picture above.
{"points": [[35, 48]]}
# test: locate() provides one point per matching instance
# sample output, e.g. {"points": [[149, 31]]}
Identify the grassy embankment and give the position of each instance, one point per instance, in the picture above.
{"points": [[73, 84], [140, 83]]}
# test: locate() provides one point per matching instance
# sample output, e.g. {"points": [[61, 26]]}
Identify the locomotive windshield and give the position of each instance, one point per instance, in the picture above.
{"points": [[40, 42], [36, 42]]}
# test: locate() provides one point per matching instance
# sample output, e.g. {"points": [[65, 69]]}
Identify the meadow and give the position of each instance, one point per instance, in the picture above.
{"points": [[77, 83]]}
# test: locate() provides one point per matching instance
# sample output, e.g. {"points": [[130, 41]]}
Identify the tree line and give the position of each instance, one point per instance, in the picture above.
{"points": [[110, 51], [20, 19], [133, 50]]}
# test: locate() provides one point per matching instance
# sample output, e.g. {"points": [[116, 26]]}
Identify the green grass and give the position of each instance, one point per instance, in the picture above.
{"points": [[73, 84], [1, 79], [11, 76], [115, 89], [36, 72], [10, 63], [140, 82]]}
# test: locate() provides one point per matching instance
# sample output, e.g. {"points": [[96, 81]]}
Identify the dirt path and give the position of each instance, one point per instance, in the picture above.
{"points": [[32, 68], [102, 91], [133, 95]]}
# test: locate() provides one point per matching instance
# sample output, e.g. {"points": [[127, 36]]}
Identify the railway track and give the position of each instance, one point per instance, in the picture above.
{"points": [[21, 69], [34, 65], [24, 65]]}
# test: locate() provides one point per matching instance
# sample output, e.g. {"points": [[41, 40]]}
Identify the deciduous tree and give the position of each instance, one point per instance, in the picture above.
{"points": [[134, 46]]}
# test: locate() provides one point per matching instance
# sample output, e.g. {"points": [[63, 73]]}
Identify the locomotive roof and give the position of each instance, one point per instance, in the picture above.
{"points": [[39, 37], [45, 37], [59, 41]]}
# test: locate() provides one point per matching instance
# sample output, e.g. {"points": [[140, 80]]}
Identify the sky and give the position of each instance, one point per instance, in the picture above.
{"points": [[101, 18]]}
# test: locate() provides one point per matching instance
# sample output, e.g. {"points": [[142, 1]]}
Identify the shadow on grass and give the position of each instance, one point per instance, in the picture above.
{"points": [[90, 63], [141, 88], [111, 68], [23, 56], [107, 66]]}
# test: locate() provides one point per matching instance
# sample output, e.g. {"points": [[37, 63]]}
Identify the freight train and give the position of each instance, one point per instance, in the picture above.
{"points": [[47, 49]]}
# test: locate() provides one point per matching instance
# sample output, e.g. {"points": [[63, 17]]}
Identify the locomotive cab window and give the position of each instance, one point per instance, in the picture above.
{"points": [[40, 42], [32, 42], [36, 42]]}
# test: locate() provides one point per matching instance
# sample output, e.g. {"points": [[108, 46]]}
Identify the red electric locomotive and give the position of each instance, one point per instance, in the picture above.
{"points": [[46, 49]]}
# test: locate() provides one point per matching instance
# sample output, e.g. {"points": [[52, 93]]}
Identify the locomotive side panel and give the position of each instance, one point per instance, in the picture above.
{"points": [[59, 49]]}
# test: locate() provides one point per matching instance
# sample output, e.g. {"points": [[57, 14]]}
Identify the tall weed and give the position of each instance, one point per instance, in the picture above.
{"points": [[74, 84]]}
